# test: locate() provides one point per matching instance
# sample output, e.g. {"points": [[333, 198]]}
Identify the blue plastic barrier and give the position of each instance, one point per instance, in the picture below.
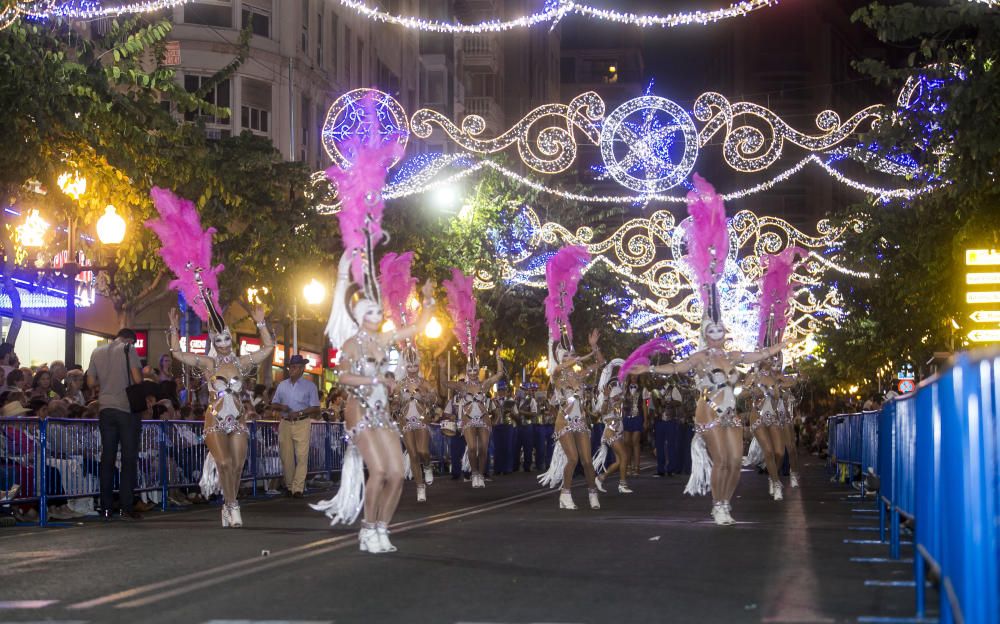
{"points": [[936, 455], [171, 455]]}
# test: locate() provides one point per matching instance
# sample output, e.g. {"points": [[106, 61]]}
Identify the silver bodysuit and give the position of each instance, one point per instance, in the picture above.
{"points": [[373, 398], [226, 407], [716, 386], [475, 408], [413, 419], [571, 406], [769, 407]]}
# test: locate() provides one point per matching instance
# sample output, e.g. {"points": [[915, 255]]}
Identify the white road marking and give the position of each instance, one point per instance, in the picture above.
{"points": [[26, 604]]}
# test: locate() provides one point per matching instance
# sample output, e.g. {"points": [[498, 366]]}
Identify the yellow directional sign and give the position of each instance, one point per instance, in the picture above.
{"points": [[982, 257], [978, 279], [986, 316], [984, 335], [983, 297]]}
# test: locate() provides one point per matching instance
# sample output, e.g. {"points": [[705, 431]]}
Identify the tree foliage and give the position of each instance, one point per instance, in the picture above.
{"points": [[916, 248]]}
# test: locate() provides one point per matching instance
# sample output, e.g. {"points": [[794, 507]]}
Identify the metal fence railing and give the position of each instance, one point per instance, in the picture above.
{"points": [[59, 459], [936, 454]]}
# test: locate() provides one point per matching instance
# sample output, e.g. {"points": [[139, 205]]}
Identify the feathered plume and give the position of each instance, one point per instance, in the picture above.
{"points": [[562, 273], [775, 291], [462, 308], [397, 284], [185, 247], [359, 186], [707, 235], [641, 356]]}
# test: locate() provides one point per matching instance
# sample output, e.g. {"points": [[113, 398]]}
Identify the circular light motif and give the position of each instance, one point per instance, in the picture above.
{"points": [[639, 144], [347, 119]]}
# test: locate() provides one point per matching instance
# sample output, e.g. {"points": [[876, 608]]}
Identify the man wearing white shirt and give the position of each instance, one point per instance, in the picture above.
{"points": [[297, 401]]}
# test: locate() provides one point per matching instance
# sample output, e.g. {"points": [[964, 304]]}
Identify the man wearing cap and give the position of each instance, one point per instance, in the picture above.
{"points": [[114, 367], [296, 401]]}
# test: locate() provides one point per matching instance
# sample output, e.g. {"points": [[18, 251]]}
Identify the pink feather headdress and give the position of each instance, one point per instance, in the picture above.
{"points": [[775, 292], [562, 273], [185, 248], [397, 284], [642, 355], [707, 237], [359, 187], [462, 308]]}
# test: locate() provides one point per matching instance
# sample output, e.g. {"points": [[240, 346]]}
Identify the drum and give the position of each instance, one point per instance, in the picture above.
{"points": [[449, 428]]}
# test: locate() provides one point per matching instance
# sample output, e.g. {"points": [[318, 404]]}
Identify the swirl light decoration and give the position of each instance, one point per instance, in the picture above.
{"points": [[649, 144], [647, 255]]}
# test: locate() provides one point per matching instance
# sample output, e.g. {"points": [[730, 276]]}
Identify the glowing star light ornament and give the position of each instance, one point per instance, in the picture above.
{"points": [[649, 145]]}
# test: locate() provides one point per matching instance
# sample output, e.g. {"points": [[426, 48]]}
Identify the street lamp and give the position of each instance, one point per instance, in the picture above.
{"points": [[433, 329], [314, 293], [110, 231]]}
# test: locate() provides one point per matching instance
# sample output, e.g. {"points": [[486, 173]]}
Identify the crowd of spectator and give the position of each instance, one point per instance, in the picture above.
{"points": [[60, 394]]}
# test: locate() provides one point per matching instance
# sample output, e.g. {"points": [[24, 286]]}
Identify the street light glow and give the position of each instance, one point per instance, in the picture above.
{"points": [[72, 184], [433, 329], [314, 292], [31, 233], [445, 197], [111, 227]]}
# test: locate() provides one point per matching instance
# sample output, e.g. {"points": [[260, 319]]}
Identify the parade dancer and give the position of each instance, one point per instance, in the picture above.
{"points": [[609, 408], [563, 273], [187, 251], [633, 416], [786, 414], [414, 397], [719, 428], [770, 409], [354, 329], [475, 413]]}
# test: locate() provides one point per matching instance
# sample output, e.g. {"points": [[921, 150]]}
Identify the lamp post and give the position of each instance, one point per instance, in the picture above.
{"points": [[314, 292], [110, 231]]}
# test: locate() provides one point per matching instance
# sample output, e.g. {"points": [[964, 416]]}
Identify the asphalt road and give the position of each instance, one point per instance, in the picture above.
{"points": [[500, 554]]}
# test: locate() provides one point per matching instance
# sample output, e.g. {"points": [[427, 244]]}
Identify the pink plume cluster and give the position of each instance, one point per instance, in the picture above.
{"points": [[359, 186], [707, 235], [642, 355], [462, 308], [396, 284], [184, 243], [776, 290], [562, 273]]}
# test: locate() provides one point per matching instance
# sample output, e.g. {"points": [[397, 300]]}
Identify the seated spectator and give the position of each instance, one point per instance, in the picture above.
{"points": [[13, 380], [27, 376], [41, 386], [75, 380], [58, 371]]}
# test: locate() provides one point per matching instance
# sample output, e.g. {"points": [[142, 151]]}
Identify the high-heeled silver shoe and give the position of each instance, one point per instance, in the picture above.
{"points": [[368, 538], [594, 503], [428, 475], [623, 488], [421, 493], [382, 530], [226, 516], [566, 500], [235, 519], [600, 484]]}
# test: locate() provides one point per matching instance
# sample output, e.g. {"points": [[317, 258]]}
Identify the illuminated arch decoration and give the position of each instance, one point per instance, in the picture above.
{"points": [[649, 145], [647, 254]]}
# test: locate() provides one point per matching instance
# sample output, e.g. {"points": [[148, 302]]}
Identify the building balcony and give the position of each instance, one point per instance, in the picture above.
{"points": [[481, 51]]}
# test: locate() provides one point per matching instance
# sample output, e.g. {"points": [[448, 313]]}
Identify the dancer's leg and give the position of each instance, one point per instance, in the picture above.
{"points": [[238, 449], [582, 441], [569, 447], [733, 440], [218, 446], [472, 446], [422, 442], [388, 444], [378, 471], [409, 441], [483, 439]]}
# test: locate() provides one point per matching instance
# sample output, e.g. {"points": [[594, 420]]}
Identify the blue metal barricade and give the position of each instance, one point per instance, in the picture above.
{"points": [[59, 459], [936, 455]]}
